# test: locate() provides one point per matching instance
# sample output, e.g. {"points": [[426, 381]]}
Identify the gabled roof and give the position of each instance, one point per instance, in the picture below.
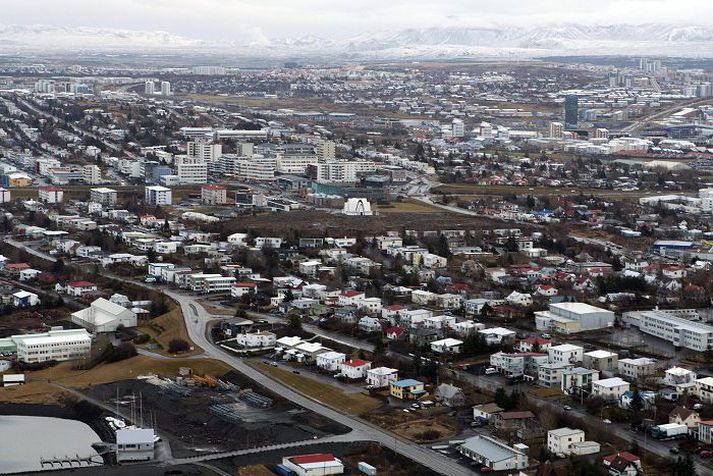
{"points": [[356, 362]]}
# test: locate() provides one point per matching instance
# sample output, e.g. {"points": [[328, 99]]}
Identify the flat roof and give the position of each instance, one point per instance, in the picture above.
{"points": [[566, 431], [577, 307], [600, 354], [490, 448]]}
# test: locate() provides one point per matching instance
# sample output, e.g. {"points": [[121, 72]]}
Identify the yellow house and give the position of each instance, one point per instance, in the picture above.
{"points": [[18, 180], [407, 389]]}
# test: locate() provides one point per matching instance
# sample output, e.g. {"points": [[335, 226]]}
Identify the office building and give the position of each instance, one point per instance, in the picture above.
{"points": [[571, 111], [683, 333], [158, 195], [191, 170], [56, 345]]}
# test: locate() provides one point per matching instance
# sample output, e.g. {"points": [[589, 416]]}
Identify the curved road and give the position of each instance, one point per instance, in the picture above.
{"points": [[196, 318]]}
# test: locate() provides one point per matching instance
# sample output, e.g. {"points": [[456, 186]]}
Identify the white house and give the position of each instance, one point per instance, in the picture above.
{"points": [[610, 388], [354, 369], [637, 368], [330, 361], [447, 346], [80, 288], [381, 377], [560, 440], [104, 316], [253, 340], [566, 353], [519, 299], [239, 290]]}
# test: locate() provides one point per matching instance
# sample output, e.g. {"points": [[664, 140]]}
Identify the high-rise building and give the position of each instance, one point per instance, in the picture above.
{"points": [[458, 128], [165, 88], [149, 87], [571, 111], [325, 149], [91, 174], [207, 151], [556, 130]]}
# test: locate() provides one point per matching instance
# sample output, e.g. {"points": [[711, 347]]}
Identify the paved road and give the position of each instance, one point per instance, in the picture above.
{"points": [[196, 319], [639, 123], [19, 244]]}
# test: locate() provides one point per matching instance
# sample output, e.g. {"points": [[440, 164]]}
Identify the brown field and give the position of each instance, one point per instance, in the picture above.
{"points": [[353, 403], [320, 223], [546, 392], [126, 369], [254, 470], [410, 206], [472, 191], [36, 393], [165, 328]]}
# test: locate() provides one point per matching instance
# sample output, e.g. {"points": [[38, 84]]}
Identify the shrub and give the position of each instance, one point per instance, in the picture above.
{"points": [[178, 345]]}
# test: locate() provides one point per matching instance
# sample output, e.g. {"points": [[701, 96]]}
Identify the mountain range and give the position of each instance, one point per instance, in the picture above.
{"points": [[413, 43]]}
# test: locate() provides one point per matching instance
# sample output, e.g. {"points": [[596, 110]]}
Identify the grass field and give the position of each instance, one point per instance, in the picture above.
{"points": [[126, 369], [164, 329], [353, 403]]}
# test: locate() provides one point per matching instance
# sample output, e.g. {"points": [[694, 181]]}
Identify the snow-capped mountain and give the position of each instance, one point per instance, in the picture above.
{"points": [[412, 43]]}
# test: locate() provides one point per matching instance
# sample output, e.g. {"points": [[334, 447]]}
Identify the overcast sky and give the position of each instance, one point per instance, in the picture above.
{"points": [[241, 19]]}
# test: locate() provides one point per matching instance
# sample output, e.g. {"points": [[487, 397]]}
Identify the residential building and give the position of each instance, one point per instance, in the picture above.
{"points": [[637, 368], [494, 454], [331, 361], [214, 195], [354, 369], [447, 346], [684, 416], [158, 195], [4, 195], [578, 380], [622, 464], [50, 194], [485, 411], [705, 431], [549, 374], [106, 196], [704, 389], [600, 360], [408, 389], [381, 377], [559, 441], [610, 388], [256, 340], [91, 174], [566, 353]]}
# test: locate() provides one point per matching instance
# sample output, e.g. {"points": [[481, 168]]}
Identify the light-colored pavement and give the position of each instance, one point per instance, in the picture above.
{"points": [[196, 319]]}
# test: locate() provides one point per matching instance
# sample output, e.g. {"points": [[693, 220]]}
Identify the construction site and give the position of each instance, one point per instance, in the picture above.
{"points": [[201, 414]]}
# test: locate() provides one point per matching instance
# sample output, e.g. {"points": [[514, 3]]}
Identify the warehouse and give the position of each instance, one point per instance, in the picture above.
{"points": [[572, 317]]}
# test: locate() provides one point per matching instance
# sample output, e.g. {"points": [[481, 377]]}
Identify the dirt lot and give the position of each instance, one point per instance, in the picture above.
{"points": [[408, 207], [320, 223], [354, 403], [192, 428], [422, 425], [164, 329]]}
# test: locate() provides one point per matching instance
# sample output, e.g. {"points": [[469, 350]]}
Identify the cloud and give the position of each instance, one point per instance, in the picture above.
{"points": [[258, 19]]}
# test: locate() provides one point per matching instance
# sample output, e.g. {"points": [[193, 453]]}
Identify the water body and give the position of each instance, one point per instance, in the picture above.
{"points": [[26, 439]]}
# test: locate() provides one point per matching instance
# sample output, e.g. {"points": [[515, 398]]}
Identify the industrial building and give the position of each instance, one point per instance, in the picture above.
{"points": [[572, 317]]}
